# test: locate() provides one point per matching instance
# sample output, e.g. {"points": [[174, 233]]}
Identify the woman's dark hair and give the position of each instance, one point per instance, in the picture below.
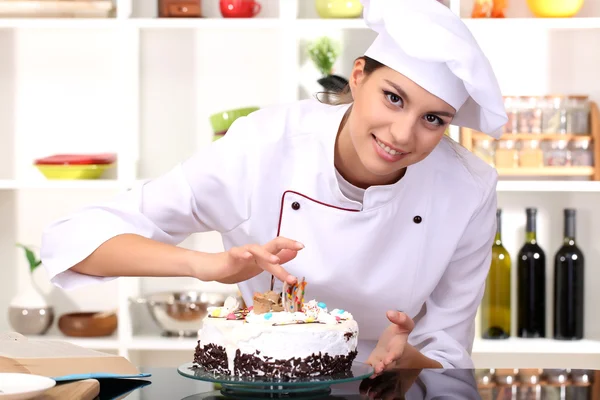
{"points": [[345, 96]]}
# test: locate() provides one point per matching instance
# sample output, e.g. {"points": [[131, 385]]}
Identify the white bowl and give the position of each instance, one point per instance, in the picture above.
{"points": [[15, 386]]}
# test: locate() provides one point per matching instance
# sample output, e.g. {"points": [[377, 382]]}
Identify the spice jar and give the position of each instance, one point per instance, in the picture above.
{"points": [[557, 381], [530, 154], [555, 153], [578, 115], [529, 388], [581, 384], [485, 383], [506, 154], [511, 106], [554, 115], [530, 116], [581, 153], [484, 149], [506, 384]]}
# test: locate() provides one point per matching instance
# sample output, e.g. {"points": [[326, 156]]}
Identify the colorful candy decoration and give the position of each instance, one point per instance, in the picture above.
{"points": [[293, 296]]}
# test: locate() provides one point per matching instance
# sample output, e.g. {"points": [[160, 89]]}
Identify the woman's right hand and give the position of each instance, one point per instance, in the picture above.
{"points": [[245, 262]]}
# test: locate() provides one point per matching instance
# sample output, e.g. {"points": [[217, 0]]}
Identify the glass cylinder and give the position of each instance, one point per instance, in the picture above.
{"points": [[530, 154], [484, 149], [556, 153], [578, 115], [530, 116], [554, 115], [581, 153], [506, 154], [511, 106]]}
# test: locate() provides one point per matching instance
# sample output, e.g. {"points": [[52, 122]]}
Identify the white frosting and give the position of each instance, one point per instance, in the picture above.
{"points": [[230, 305]]}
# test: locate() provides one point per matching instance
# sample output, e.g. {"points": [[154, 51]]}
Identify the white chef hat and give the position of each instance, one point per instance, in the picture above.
{"points": [[429, 44]]}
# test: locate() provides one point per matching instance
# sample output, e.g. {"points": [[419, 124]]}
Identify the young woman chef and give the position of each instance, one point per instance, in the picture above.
{"points": [[381, 213]]}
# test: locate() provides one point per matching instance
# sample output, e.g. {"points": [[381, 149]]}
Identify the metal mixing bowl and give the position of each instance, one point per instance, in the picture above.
{"points": [[180, 313]]}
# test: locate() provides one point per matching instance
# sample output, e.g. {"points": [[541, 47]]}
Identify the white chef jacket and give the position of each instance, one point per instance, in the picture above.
{"points": [[421, 245]]}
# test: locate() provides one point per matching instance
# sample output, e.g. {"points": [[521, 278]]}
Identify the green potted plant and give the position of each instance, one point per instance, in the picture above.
{"points": [[29, 312], [324, 52]]}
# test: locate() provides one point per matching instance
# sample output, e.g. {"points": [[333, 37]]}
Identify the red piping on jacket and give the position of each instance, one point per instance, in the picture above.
{"points": [[310, 199]]}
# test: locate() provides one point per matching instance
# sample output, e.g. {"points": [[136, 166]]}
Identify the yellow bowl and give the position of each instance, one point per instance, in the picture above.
{"points": [[89, 171], [339, 8], [554, 8]]}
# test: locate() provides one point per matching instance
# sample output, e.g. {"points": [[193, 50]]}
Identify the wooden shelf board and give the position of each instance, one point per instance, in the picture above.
{"points": [[534, 136], [536, 346], [533, 23], [155, 342], [546, 171], [302, 23], [548, 186], [16, 184], [100, 343]]}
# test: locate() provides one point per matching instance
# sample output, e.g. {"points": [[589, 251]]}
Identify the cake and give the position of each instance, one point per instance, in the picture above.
{"points": [[280, 337]]}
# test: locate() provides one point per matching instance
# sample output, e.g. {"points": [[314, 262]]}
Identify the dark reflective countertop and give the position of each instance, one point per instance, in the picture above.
{"points": [[498, 384]]}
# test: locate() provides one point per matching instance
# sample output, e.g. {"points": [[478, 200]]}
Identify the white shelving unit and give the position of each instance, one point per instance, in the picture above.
{"points": [[144, 87]]}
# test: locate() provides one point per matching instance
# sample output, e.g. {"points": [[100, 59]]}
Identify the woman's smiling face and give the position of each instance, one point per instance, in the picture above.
{"points": [[393, 122]]}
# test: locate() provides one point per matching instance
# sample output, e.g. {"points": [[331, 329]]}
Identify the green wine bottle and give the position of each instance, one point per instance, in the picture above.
{"points": [[496, 305]]}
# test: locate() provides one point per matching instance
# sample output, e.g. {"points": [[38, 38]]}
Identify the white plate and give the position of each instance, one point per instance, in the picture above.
{"points": [[23, 386]]}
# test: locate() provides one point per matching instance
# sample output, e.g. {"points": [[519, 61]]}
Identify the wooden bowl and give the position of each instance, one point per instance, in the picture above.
{"points": [[88, 324]]}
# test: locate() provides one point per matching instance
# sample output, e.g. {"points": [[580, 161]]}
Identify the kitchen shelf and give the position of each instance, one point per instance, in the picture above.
{"points": [[205, 23], [300, 24], [480, 346], [531, 353], [533, 24], [547, 171], [149, 342], [548, 186], [103, 343], [537, 346], [62, 184]]}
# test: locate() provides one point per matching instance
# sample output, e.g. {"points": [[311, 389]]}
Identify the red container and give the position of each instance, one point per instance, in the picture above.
{"points": [[239, 8], [77, 159]]}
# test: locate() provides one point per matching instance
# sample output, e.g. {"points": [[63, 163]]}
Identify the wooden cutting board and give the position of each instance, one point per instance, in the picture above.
{"points": [[87, 389]]}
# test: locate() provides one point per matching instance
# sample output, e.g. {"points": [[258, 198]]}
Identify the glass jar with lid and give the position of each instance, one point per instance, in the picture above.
{"points": [[581, 152], [530, 154], [511, 105], [554, 115], [484, 149], [507, 155], [530, 115], [578, 115], [556, 153], [581, 384]]}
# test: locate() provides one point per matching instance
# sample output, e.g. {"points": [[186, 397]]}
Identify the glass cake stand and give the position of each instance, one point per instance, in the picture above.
{"points": [[233, 386]]}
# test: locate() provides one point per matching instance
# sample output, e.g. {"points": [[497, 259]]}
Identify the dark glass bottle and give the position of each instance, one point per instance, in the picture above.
{"points": [[531, 283], [568, 284], [495, 306]]}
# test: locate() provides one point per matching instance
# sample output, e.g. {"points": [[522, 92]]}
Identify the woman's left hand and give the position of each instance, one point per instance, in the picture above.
{"points": [[392, 342]]}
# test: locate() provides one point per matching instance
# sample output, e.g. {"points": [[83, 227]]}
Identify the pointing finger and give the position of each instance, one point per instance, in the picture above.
{"points": [[282, 243], [270, 263]]}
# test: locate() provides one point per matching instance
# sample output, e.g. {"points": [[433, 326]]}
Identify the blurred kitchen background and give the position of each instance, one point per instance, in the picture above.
{"points": [[128, 88]]}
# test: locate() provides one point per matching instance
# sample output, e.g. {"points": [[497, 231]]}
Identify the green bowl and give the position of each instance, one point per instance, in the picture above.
{"points": [[222, 121]]}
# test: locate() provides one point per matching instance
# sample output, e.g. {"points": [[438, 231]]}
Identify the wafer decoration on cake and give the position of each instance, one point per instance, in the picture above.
{"points": [[267, 302], [293, 296]]}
